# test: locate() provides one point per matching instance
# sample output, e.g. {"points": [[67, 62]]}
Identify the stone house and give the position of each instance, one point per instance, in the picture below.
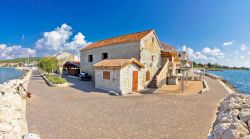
{"points": [[120, 75], [64, 57], [138, 55]]}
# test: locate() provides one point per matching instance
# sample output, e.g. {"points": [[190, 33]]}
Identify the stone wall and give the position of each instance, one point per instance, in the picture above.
{"points": [[12, 106], [150, 57], [126, 78], [120, 79], [126, 50], [109, 85], [233, 119]]}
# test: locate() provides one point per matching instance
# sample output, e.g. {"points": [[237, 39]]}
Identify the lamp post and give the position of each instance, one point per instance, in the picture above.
{"points": [[183, 59]]}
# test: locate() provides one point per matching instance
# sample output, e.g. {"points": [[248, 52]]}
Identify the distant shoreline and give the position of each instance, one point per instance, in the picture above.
{"points": [[224, 69]]}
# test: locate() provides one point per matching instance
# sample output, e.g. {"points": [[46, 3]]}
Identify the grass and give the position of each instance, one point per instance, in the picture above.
{"points": [[56, 79]]}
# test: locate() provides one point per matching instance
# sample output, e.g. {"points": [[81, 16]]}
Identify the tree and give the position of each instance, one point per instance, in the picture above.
{"points": [[209, 65], [48, 64]]}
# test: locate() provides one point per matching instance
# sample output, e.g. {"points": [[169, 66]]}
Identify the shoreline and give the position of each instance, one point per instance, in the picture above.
{"points": [[230, 89], [13, 105], [225, 82]]}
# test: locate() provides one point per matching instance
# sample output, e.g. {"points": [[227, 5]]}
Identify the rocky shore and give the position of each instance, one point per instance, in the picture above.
{"points": [[13, 123], [233, 118]]}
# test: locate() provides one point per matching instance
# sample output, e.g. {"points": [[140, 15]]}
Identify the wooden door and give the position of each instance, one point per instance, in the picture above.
{"points": [[135, 81]]}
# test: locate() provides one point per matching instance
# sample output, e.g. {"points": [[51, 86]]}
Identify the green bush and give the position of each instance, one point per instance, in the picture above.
{"points": [[48, 65], [56, 79]]}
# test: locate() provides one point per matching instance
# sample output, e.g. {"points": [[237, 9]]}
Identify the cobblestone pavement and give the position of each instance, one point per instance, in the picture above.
{"points": [[80, 112]]}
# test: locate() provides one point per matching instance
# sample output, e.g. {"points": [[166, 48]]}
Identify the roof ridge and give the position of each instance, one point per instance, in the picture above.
{"points": [[120, 39]]}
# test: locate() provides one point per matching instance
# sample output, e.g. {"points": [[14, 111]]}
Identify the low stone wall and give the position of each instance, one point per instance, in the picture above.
{"points": [[233, 118], [54, 85], [213, 76], [13, 123]]}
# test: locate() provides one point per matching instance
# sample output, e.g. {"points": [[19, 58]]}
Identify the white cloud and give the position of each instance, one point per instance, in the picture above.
{"points": [[212, 59], [242, 57], [199, 56], [243, 47], [77, 43], [228, 43], [15, 51], [213, 52], [248, 52], [56, 41], [196, 56]]}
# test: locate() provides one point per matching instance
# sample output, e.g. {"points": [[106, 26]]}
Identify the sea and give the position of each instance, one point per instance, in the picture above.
{"points": [[9, 74], [240, 79]]}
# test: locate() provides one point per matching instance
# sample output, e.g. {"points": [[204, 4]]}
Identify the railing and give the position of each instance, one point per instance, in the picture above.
{"points": [[162, 76]]}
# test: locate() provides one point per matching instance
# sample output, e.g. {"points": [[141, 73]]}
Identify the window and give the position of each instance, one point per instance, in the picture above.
{"points": [[147, 76], [90, 58], [106, 75], [152, 57], [104, 55]]}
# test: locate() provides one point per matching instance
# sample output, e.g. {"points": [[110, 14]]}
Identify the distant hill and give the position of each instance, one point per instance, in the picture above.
{"points": [[18, 60]]}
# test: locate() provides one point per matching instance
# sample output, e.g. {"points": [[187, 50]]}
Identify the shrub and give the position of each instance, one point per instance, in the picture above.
{"points": [[56, 79], [48, 64]]}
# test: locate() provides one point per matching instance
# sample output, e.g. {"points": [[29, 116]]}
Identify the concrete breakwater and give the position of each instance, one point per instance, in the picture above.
{"points": [[233, 118], [13, 123]]}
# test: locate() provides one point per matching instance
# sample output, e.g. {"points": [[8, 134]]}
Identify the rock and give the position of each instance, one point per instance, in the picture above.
{"points": [[31, 136], [113, 93], [9, 114], [228, 116], [235, 131], [219, 130], [245, 115], [11, 104], [6, 127], [246, 137]]}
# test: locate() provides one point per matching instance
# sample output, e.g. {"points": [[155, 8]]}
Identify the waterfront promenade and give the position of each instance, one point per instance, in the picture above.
{"points": [[81, 111]]}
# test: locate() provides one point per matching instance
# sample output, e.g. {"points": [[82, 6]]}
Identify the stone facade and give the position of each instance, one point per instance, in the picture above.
{"points": [[113, 84], [150, 57], [64, 57], [147, 51], [120, 79], [126, 50]]}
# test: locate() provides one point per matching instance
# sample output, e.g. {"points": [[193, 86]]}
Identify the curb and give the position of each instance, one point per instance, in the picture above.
{"points": [[206, 87], [54, 85]]}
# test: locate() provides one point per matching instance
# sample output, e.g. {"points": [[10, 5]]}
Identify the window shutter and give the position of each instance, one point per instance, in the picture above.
{"points": [[106, 75]]}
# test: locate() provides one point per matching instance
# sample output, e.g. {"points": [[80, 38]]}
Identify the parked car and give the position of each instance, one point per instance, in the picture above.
{"points": [[84, 76]]}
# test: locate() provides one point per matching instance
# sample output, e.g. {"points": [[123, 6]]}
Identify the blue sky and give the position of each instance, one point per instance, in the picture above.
{"points": [[43, 27]]}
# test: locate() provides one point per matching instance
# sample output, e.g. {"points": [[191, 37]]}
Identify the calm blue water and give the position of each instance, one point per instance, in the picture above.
{"points": [[9, 74], [240, 79]]}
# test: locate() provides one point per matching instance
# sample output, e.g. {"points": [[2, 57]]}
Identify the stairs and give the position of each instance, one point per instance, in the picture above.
{"points": [[153, 83]]}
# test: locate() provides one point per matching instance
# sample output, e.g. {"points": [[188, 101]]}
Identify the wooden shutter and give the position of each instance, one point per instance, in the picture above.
{"points": [[106, 75], [147, 76]]}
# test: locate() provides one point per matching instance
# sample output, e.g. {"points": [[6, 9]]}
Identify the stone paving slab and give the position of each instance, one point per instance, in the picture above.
{"points": [[80, 112]]}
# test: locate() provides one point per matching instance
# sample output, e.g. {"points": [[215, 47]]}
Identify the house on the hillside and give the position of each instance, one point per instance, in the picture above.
{"points": [[127, 63]]}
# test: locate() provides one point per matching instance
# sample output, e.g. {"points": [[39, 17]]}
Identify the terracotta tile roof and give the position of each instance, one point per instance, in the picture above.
{"points": [[118, 63], [166, 47], [76, 63], [117, 40]]}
